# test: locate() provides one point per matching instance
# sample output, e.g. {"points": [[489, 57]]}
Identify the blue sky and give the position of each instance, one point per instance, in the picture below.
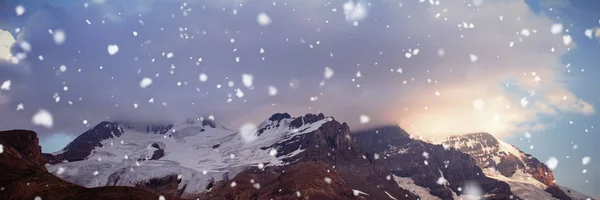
{"points": [[505, 72]]}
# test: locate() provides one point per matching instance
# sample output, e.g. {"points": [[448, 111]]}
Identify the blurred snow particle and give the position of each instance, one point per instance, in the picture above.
{"points": [[355, 192], [524, 102], [588, 33], [473, 57], [586, 160], [145, 82], [60, 170], [247, 131], [37, 198], [233, 184], [472, 191], [59, 36], [567, 39], [328, 73], [170, 55], [552, 162], [96, 173], [441, 181], [135, 33], [327, 180], [62, 68], [441, 52], [25, 46], [5, 85], [20, 106], [239, 93], [202, 77], [112, 49], [261, 166], [42, 118], [407, 55], [525, 32], [85, 122], [247, 79], [354, 11], [20, 10], [556, 29], [478, 104], [161, 197], [298, 194], [1, 148], [273, 152], [263, 19], [272, 90], [364, 119]]}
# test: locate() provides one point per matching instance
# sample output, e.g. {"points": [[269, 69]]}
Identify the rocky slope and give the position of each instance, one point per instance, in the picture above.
{"points": [[23, 175], [500, 159], [444, 173]]}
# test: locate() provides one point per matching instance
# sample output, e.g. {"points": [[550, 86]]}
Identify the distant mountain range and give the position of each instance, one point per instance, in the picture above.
{"points": [[284, 157]]}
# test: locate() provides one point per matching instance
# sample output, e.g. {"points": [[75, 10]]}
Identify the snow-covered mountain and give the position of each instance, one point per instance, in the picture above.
{"points": [[198, 159], [528, 177], [198, 153]]}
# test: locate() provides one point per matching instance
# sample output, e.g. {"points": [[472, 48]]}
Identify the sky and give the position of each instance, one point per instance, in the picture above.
{"points": [[524, 71]]}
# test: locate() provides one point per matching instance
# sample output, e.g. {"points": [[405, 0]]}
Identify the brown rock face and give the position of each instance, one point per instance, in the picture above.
{"points": [[332, 144], [305, 180], [484, 147], [23, 175], [425, 163]]}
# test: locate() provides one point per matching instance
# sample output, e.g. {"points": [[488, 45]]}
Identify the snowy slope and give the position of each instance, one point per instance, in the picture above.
{"points": [[195, 153], [527, 176]]}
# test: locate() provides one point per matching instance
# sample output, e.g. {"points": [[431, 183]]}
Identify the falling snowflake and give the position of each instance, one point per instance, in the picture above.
{"points": [[263, 19], [567, 39], [60, 170], [145, 82], [328, 73], [96, 173], [473, 57], [1, 148], [272, 90], [524, 102], [42, 118], [247, 79], [161, 197], [203, 77], [588, 33], [5, 85], [59, 36], [20, 10], [354, 11], [37, 198], [327, 180], [525, 32], [247, 131], [556, 29], [273, 152], [441, 181], [112, 49], [552, 162], [364, 119], [298, 194], [62, 68], [586, 160], [233, 184]]}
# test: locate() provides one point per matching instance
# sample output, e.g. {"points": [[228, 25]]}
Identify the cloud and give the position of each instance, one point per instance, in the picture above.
{"points": [[432, 97], [6, 43]]}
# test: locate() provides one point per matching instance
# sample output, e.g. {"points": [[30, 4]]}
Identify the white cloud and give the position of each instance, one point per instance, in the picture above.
{"points": [[6, 42]]}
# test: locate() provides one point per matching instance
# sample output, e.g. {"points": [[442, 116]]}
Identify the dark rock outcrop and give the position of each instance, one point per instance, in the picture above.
{"points": [[305, 180]]}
